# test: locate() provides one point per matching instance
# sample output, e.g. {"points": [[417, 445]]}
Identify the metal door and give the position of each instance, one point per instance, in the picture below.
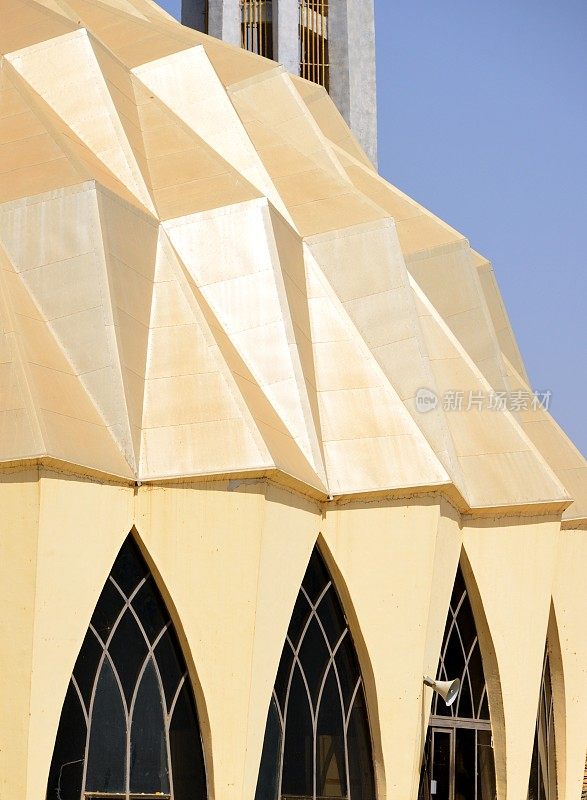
{"points": [[442, 760]]}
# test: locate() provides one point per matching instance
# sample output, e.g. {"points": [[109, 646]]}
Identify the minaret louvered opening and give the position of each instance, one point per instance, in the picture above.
{"points": [[257, 35], [313, 32], [257, 26]]}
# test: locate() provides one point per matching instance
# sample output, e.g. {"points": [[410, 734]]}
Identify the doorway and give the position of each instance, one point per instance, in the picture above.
{"points": [[441, 759], [458, 762]]}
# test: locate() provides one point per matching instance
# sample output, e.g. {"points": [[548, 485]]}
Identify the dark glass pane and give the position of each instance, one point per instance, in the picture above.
{"points": [[331, 779], [465, 763], [283, 675], [547, 683], [107, 610], [440, 675], [106, 755], [484, 712], [441, 670], [267, 787], [485, 767], [477, 679], [534, 782], [454, 662], [65, 775], [440, 764], [466, 624], [463, 706], [331, 617], [299, 618], [454, 659], [348, 670], [129, 568], [187, 758], [440, 709], [314, 658], [543, 777], [550, 777], [298, 762], [459, 588], [426, 771], [542, 790], [86, 666], [170, 663], [150, 609], [359, 749], [316, 578], [128, 650], [149, 770]]}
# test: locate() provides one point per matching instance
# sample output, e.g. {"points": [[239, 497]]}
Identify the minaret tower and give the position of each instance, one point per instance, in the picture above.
{"points": [[330, 42]]}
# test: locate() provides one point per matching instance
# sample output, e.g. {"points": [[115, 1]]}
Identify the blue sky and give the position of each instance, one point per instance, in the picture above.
{"points": [[483, 120]]}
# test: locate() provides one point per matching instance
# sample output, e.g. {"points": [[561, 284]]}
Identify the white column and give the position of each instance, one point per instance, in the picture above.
{"points": [[362, 71], [231, 22], [286, 34], [338, 52], [351, 42], [224, 20]]}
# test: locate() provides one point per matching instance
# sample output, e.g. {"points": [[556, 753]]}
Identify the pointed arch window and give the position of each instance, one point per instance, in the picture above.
{"points": [[129, 726], [542, 784], [317, 740], [460, 657], [458, 755]]}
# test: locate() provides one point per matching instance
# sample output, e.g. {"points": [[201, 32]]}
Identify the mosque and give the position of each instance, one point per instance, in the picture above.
{"points": [[269, 455]]}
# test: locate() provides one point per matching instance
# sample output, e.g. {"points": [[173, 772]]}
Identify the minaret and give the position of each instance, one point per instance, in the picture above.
{"points": [[330, 42]]}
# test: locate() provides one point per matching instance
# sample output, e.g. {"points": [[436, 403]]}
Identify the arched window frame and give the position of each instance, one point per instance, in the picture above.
{"points": [[355, 700], [460, 732], [453, 632], [181, 693], [543, 771]]}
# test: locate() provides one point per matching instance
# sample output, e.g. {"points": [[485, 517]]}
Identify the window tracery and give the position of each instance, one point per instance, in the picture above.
{"points": [[542, 785], [317, 740], [129, 725], [458, 755]]}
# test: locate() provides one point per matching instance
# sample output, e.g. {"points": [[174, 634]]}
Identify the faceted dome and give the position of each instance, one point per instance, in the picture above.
{"points": [[202, 274]]}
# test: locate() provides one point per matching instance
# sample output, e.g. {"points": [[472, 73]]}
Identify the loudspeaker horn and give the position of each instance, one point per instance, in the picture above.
{"points": [[448, 690]]}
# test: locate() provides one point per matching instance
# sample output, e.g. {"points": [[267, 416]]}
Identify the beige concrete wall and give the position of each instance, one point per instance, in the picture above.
{"points": [[232, 562], [229, 557], [570, 608], [512, 564], [19, 510], [229, 560], [557, 678], [386, 555], [82, 525]]}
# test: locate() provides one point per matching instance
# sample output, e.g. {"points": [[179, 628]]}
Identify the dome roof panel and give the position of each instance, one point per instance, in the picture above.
{"points": [[202, 274]]}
